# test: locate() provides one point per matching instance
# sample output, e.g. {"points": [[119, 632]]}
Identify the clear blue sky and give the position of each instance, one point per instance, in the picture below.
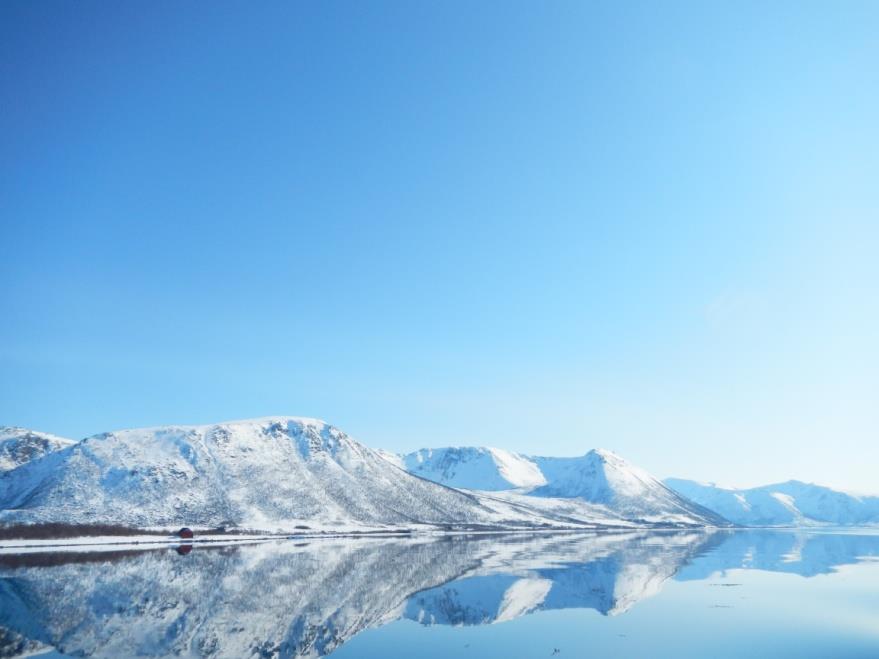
{"points": [[545, 226]]}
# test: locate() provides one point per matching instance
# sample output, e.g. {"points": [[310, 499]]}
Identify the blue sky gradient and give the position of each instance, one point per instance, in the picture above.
{"points": [[543, 226]]}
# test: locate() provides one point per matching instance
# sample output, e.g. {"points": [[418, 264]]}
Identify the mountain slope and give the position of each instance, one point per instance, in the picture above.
{"points": [[599, 478], [793, 503], [20, 445]]}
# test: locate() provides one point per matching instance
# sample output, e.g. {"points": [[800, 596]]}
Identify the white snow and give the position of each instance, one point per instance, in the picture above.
{"points": [[297, 474], [282, 475]]}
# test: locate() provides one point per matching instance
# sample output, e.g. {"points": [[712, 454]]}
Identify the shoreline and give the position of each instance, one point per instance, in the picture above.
{"points": [[152, 539], [111, 543]]}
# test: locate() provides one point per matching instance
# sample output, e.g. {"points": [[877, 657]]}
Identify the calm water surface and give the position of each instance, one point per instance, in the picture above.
{"points": [[674, 594]]}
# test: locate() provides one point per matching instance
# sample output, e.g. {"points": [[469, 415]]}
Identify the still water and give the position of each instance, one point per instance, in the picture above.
{"points": [[674, 594]]}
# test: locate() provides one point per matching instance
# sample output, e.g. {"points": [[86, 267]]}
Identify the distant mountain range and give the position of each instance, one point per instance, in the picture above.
{"points": [[290, 473], [784, 504], [603, 477]]}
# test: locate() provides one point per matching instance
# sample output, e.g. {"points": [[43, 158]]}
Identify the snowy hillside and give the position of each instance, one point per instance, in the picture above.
{"points": [[282, 474], [474, 468], [20, 445], [600, 477], [272, 473], [784, 504]]}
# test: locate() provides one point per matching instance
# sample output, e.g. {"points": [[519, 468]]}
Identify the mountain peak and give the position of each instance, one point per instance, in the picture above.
{"points": [[269, 473], [599, 477], [474, 467], [255, 422], [606, 455], [11, 432], [603, 477], [282, 472], [19, 446]]}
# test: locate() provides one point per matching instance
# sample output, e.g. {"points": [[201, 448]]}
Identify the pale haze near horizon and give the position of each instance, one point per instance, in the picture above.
{"points": [[545, 228]]}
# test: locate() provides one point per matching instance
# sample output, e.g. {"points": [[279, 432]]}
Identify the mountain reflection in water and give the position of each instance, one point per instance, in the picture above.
{"points": [[287, 599]]}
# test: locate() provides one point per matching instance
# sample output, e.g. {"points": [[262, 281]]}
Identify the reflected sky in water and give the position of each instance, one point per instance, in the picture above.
{"points": [[672, 594]]}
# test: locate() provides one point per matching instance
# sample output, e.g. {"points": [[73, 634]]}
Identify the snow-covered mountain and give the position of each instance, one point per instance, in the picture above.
{"points": [[20, 445], [793, 503], [474, 468], [286, 473], [600, 477], [270, 474], [603, 477]]}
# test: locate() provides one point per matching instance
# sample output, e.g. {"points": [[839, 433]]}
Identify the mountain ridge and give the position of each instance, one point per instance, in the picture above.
{"points": [[598, 477], [277, 473], [221, 473]]}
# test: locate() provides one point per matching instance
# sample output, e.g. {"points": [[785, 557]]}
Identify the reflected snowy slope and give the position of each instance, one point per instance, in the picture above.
{"points": [[287, 599]]}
